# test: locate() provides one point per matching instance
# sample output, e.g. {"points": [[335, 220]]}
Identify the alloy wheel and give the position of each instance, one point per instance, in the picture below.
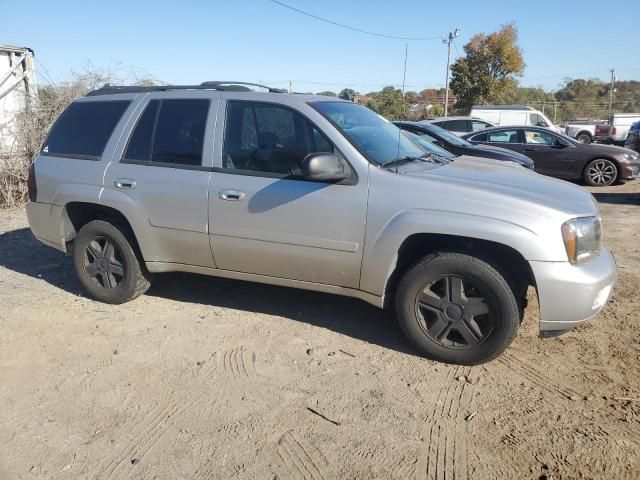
{"points": [[453, 312], [103, 263], [602, 172]]}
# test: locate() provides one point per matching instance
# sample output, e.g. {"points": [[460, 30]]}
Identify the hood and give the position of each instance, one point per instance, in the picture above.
{"points": [[504, 153], [512, 181]]}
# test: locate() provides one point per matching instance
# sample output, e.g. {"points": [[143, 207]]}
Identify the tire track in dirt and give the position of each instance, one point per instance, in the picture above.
{"points": [[145, 433], [395, 462], [558, 389], [240, 364], [300, 460], [447, 455]]}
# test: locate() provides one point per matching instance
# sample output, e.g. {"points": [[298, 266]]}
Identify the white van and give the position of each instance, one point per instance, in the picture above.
{"points": [[513, 115]]}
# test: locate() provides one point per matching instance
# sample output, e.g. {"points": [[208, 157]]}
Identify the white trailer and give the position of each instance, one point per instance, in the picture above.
{"points": [[18, 92]]}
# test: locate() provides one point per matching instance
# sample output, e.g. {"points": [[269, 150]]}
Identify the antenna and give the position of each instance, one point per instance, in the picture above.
{"points": [[404, 77]]}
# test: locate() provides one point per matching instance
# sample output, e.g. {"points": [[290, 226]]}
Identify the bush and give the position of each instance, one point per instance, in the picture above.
{"points": [[32, 127]]}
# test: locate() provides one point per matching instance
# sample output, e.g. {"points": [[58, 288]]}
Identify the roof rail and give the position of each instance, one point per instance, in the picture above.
{"points": [[108, 89], [502, 107], [223, 84]]}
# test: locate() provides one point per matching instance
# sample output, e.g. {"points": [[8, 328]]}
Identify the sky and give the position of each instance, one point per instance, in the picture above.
{"points": [[188, 42]]}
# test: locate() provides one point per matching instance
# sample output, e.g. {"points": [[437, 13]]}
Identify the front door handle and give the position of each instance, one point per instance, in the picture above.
{"points": [[124, 183], [231, 195], [530, 149]]}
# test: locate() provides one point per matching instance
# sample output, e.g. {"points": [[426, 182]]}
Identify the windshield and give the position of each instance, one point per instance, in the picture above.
{"points": [[447, 136], [378, 139], [428, 146]]}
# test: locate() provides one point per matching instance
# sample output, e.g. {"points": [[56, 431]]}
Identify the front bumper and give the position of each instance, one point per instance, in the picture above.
{"points": [[629, 171], [47, 224], [573, 294]]}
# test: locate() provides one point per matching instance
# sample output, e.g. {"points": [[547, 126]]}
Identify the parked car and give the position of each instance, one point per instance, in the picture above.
{"points": [[459, 125], [459, 146], [618, 129], [559, 156], [584, 131], [633, 139], [317, 193], [501, 115]]}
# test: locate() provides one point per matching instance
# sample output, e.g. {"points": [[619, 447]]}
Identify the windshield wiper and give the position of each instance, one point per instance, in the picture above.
{"points": [[401, 160]]}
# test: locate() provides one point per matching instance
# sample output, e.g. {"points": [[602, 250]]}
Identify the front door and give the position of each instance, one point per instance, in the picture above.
{"points": [[551, 155], [265, 218]]}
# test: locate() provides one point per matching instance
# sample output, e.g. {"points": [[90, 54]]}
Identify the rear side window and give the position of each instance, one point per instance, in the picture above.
{"points": [[456, 125], [84, 128], [171, 132]]}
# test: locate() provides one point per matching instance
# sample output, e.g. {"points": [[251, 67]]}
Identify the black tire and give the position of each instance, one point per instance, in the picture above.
{"points": [[584, 138], [477, 325], [107, 265], [600, 172]]}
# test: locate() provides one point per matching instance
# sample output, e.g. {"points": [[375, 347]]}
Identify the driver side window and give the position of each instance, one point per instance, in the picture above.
{"points": [[268, 138]]}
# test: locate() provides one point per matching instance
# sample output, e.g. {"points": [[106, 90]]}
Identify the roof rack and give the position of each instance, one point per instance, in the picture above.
{"points": [[228, 86], [502, 107]]}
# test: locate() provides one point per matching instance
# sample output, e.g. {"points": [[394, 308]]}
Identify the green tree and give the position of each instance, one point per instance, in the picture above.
{"points": [[327, 93], [347, 94], [488, 70], [389, 103]]}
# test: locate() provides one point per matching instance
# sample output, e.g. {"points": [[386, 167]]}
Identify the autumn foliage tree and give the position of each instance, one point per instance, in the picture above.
{"points": [[488, 70]]}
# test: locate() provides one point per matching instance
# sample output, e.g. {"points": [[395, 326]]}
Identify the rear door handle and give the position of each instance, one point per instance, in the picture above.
{"points": [[231, 195], [530, 149], [124, 183]]}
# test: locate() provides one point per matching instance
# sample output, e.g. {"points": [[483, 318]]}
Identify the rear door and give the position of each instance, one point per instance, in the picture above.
{"points": [[161, 176], [551, 154], [265, 218]]}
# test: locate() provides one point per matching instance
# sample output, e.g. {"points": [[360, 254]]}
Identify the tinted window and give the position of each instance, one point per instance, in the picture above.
{"points": [[84, 129], [503, 136], [480, 138], [537, 120], [179, 132], [269, 138], [170, 131], [456, 125], [140, 143]]}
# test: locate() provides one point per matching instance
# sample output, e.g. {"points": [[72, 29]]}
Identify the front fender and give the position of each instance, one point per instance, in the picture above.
{"points": [[380, 255]]}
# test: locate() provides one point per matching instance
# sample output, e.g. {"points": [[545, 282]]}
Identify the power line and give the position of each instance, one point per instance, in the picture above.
{"points": [[353, 28]]}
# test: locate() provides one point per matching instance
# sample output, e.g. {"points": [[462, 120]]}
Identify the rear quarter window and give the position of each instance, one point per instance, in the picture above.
{"points": [[84, 128]]}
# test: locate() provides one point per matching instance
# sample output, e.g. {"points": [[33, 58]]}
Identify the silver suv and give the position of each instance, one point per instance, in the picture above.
{"points": [[316, 193]]}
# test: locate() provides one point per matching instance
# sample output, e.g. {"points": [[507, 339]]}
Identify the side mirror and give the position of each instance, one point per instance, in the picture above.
{"points": [[560, 144], [323, 167]]}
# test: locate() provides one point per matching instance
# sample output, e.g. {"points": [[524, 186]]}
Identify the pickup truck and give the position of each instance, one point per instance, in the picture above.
{"points": [[618, 128], [316, 193], [584, 131]]}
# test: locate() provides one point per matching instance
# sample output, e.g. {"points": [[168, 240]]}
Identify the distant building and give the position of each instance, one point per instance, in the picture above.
{"points": [[18, 91]]}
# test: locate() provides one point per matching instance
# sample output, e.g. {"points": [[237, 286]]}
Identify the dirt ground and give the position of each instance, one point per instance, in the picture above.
{"points": [[210, 378]]}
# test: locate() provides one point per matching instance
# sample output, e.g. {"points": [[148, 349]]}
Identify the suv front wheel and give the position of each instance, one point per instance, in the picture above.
{"points": [[456, 308], [106, 264]]}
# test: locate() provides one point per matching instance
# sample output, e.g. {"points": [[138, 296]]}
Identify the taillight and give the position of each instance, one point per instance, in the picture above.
{"points": [[613, 130], [32, 188]]}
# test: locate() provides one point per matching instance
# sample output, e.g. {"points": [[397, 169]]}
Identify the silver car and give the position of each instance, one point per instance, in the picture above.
{"points": [[316, 193]]}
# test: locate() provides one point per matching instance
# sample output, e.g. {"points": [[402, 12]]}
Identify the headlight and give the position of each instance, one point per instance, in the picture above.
{"points": [[631, 157], [582, 238]]}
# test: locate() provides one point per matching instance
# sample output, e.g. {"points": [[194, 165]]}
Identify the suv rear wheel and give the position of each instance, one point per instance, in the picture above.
{"points": [[106, 264], [456, 308]]}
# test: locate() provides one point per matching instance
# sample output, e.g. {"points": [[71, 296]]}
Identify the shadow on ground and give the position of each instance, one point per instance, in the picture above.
{"points": [[628, 198], [22, 253]]}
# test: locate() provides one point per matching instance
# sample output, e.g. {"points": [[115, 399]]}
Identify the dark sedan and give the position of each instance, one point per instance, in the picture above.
{"points": [[458, 146], [557, 155]]}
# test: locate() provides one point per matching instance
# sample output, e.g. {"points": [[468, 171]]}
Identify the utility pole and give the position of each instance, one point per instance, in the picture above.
{"points": [[613, 80], [448, 39], [290, 86]]}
